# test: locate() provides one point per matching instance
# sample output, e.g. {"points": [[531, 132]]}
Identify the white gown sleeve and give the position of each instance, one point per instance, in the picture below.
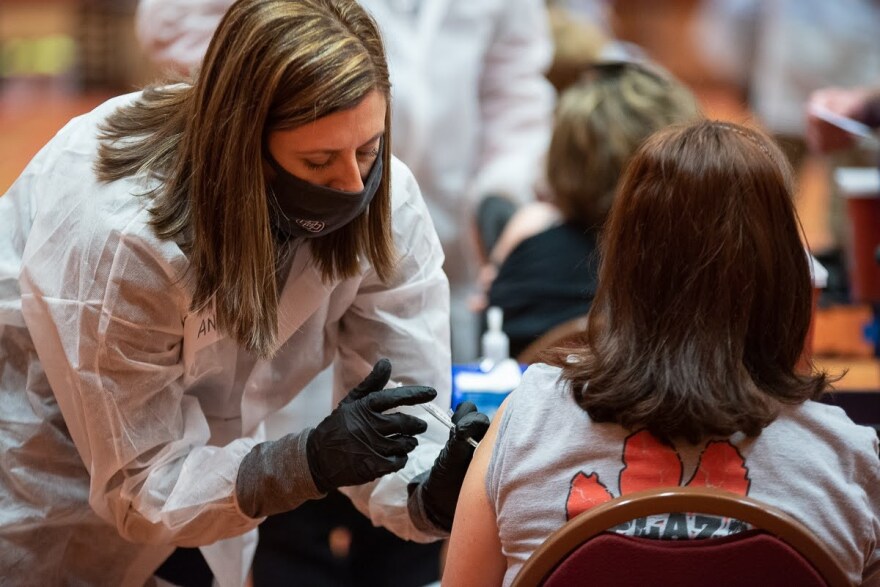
{"points": [[104, 303]]}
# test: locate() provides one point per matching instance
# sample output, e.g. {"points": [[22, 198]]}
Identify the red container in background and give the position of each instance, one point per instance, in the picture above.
{"points": [[860, 186]]}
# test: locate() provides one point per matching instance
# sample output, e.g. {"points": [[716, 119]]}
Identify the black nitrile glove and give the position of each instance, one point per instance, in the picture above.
{"points": [[357, 443], [437, 493], [351, 446]]}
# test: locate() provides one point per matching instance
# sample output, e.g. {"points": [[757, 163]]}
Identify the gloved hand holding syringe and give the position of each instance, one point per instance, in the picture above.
{"points": [[445, 419], [437, 494]]}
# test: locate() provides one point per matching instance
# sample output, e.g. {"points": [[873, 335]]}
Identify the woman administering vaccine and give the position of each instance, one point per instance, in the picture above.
{"points": [[177, 265]]}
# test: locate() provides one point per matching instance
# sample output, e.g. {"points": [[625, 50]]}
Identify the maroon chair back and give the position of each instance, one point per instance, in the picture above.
{"points": [[748, 559], [778, 551]]}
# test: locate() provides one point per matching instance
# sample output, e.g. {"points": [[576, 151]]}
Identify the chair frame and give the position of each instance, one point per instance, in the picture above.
{"points": [[678, 499], [552, 338]]}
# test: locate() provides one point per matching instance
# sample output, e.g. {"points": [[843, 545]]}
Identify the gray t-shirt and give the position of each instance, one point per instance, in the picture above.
{"points": [[551, 462]]}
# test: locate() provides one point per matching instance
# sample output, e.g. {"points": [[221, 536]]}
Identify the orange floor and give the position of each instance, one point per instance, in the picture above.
{"points": [[30, 114]]}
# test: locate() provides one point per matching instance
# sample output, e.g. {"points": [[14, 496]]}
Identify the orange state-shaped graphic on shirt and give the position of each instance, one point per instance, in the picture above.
{"points": [[649, 463]]}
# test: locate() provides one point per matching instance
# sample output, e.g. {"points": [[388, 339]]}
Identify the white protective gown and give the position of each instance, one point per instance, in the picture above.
{"points": [[123, 417], [472, 109]]}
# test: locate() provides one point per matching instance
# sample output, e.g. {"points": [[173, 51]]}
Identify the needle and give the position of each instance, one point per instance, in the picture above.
{"points": [[444, 419]]}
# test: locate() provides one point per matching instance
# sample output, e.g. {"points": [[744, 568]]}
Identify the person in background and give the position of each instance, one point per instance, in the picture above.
{"points": [[677, 381], [581, 36], [545, 259], [578, 42], [779, 52], [177, 265]]}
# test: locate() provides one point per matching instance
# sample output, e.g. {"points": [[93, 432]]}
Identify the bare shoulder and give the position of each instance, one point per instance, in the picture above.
{"points": [[528, 221]]}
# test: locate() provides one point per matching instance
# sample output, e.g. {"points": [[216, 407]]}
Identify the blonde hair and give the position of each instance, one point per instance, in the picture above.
{"points": [[271, 65], [577, 43], [600, 122]]}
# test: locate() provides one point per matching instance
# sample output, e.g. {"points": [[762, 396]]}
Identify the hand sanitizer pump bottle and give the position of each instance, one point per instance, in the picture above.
{"points": [[487, 384], [494, 343]]}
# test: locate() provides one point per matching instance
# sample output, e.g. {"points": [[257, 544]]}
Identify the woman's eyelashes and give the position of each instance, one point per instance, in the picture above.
{"points": [[368, 155], [317, 166], [362, 156]]}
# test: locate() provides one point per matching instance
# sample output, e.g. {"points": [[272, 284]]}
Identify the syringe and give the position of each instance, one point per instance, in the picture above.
{"points": [[444, 419]]}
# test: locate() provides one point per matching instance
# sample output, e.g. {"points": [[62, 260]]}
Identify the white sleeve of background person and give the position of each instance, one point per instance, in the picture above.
{"points": [[516, 102], [175, 33]]}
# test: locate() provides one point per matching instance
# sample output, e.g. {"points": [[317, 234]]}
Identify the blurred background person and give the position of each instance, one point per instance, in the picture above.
{"points": [[583, 35], [780, 51], [546, 258]]}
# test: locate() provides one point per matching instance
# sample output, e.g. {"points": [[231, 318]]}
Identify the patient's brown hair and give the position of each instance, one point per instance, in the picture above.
{"points": [[704, 296]]}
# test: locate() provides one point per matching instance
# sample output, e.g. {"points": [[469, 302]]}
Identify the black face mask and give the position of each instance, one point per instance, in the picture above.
{"points": [[303, 209]]}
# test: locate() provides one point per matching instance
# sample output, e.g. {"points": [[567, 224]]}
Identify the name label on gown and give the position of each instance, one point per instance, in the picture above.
{"points": [[199, 332]]}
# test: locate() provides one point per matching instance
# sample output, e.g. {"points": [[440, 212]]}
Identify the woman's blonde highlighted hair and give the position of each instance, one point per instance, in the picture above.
{"points": [[600, 122], [271, 65]]}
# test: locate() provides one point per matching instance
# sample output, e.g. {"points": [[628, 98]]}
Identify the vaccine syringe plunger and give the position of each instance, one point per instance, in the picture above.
{"points": [[444, 419]]}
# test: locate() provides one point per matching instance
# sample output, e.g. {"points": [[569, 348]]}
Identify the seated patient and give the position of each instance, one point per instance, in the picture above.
{"points": [[549, 276], [686, 374]]}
